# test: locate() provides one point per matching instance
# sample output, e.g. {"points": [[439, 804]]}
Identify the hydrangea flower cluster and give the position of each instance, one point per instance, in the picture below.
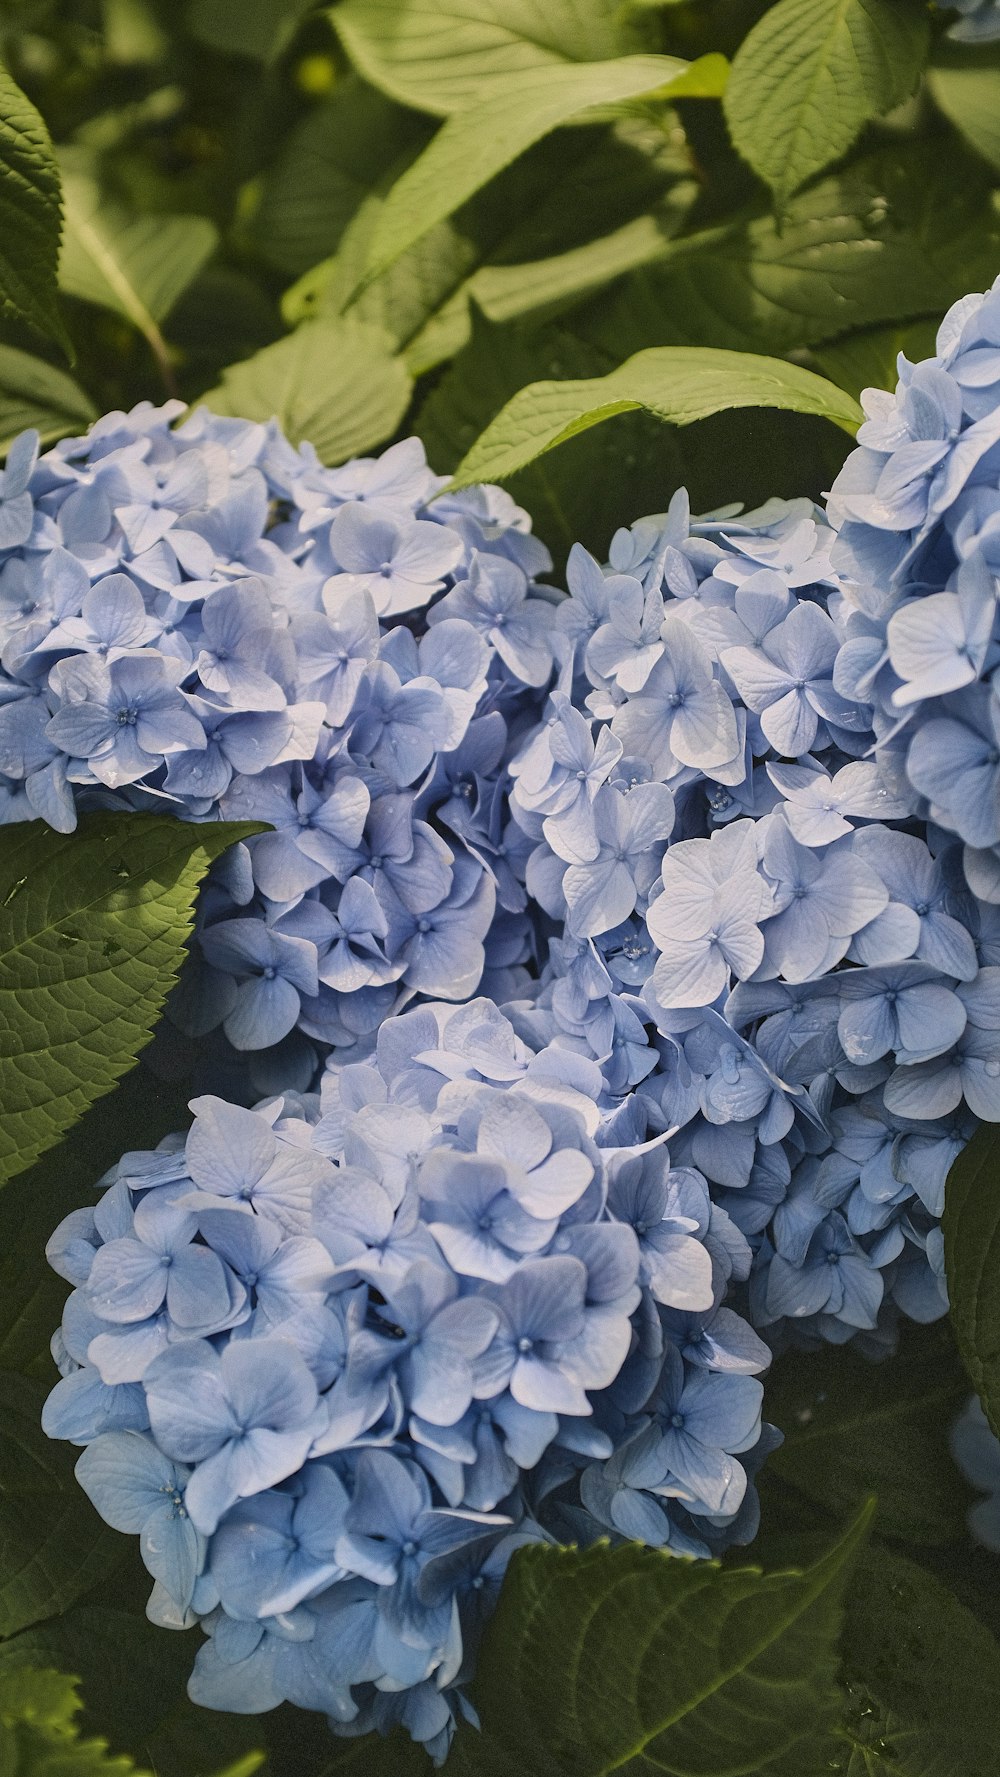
{"points": [[201, 619], [763, 806], [335, 1359]]}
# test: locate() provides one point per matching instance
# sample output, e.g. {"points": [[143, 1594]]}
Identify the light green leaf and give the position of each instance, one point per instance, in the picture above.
{"points": [[92, 932], [676, 383], [336, 383], [510, 292], [29, 215], [40, 1737], [443, 55], [971, 1224], [853, 1427], [255, 28], [137, 266], [965, 83], [576, 494], [53, 1546], [133, 1678], [812, 73], [921, 1676], [527, 242], [33, 393], [339, 152], [471, 148], [634, 462], [132, 35], [630, 1660]]}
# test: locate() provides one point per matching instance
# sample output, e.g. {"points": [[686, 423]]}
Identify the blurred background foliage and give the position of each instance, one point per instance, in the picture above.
{"points": [[224, 168], [224, 161]]}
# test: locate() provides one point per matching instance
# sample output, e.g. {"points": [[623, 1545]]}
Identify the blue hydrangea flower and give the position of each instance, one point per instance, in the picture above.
{"points": [[979, 21], [332, 1359]]}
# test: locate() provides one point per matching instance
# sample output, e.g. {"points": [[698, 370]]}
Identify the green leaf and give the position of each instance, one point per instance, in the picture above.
{"points": [[444, 55], [971, 1224], [92, 932], [853, 1427], [223, 315], [921, 1676], [332, 159], [472, 147], [29, 215], [576, 494], [255, 28], [53, 1546], [133, 1677], [137, 266], [528, 242], [898, 235], [812, 73], [965, 84], [33, 393], [337, 383], [39, 1735], [631, 1660], [676, 383], [633, 462]]}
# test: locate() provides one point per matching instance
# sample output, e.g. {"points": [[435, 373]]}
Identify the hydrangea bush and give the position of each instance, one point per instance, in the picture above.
{"points": [[721, 827]]}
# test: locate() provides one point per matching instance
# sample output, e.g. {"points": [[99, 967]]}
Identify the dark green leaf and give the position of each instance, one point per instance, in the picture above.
{"points": [[444, 55], [812, 73], [900, 234], [965, 83], [678, 384], [53, 1546], [223, 315], [92, 932], [336, 383], [921, 1676], [33, 393], [339, 152], [255, 28], [29, 215], [971, 1223], [632, 1660], [303, 1744], [853, 1427]]}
